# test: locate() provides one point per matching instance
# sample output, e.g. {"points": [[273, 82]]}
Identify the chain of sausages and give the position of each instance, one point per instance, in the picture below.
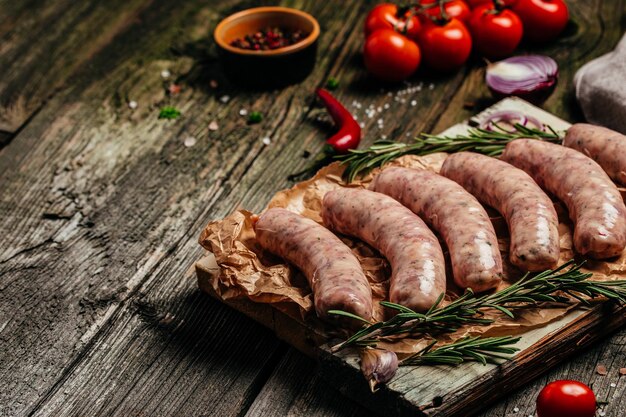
{"points": [[389, 218]]}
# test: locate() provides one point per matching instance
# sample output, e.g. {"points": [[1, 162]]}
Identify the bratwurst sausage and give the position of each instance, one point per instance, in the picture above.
{"points": [[529, 213], [594, 203], [458, 217], [418, 269], [605, 146], [334, 273]]}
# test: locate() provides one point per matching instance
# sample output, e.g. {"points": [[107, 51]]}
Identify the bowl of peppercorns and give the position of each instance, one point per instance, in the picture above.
{"points": [[267, 46]]}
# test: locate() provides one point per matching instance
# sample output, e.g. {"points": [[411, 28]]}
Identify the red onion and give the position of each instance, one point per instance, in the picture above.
{"points": [[504, 119], [532, 77]]}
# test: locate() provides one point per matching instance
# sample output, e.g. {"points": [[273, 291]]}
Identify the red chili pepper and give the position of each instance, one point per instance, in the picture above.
{"points": [[349, 134]]}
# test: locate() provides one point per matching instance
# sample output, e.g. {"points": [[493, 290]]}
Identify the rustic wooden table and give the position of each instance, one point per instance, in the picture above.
{"points": [[101, 204]]}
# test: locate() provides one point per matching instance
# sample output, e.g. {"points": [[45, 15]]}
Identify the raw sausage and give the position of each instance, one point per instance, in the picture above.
{"points": [[605, 146], [529, 213], [594, 203], [334, 273], [458, 217], [418, 269]]}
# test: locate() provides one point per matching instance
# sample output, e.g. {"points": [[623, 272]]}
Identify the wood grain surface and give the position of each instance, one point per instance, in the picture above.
{"points": [[101, 205]]}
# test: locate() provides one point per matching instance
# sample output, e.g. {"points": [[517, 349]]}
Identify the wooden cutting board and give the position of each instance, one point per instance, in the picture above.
{"points": [[439, 390]]}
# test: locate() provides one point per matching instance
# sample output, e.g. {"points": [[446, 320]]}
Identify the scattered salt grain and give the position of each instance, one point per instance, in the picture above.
{"points": [[213, 126], [431, 86], [225, 99], [355, 116], [361, 125], [516, 409], [601, 413], [383, 137], [165, 74], [613, 384], [413, 103], [243, 112], [386, 106], [189, 141], [379, 109], [267, 141], [132, 104]]}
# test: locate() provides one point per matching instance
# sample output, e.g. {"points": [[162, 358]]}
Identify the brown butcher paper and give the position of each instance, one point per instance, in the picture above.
{"points": [[246, 271]]}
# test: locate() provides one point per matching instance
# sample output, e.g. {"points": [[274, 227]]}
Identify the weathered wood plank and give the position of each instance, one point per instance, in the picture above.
{"points": [[99, 198], [284, 117], [609, 388], [281, 395], [43, 43], [174, 352], [296, 389]]}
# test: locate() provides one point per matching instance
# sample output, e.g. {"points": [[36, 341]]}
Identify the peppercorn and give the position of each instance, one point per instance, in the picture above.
{"points": [[269, 39]]}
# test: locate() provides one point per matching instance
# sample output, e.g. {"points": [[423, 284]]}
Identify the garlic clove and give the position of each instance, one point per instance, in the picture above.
{"points": [[378, 366]]}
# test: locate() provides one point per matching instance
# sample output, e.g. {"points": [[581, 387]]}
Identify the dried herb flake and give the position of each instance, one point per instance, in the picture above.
{"points": [[169, 112]]}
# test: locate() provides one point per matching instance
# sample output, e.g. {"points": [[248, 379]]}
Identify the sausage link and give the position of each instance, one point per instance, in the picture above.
{"points": [[605, 146], [458, 217], [418, 269], [594, 203], [529, 213], [334, 273]]}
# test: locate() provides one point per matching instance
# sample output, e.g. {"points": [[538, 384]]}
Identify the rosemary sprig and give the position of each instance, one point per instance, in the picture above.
{"points": [[488, 142], [484, 350], [549, 286]]}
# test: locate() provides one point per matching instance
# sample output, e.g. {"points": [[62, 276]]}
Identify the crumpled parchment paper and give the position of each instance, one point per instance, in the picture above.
{"points": [[248, 271]]}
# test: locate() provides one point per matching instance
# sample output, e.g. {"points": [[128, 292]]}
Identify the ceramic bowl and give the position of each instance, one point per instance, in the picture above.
{"points": [[270, 68]]}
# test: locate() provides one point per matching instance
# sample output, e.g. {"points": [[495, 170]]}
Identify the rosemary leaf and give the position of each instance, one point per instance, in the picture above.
{"points": [[349, 315], [547, 286], [488, 142], [476, 349]]}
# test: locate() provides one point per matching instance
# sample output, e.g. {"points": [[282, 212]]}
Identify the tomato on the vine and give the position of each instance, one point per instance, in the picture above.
{"points": [[454, 8], [566, 398], [495, 33], [386, 16], [445, 46], [543, 20], [391, 56]]}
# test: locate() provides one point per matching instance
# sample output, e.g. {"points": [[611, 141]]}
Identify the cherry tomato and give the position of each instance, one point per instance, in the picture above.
{"points": [[385, 16], [454, 8], [445, 47], [475, 3], [495, 33], [543, 20], [566, 398], [391, 56]]}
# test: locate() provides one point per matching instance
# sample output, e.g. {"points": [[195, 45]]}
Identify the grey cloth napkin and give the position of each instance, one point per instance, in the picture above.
{"points": [[601, 89]]}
